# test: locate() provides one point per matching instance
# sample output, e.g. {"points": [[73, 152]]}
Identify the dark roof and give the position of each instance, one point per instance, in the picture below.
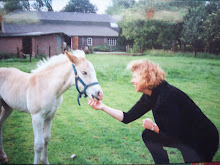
{"points": [[27, 34], [72, 24], [59, 16], [71, 30]]}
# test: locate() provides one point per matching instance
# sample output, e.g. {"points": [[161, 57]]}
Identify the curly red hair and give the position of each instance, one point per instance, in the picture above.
{"points": [[151, 74]]}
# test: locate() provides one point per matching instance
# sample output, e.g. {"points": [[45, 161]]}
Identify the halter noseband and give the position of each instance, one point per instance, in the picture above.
{"points": [[85, 86]]}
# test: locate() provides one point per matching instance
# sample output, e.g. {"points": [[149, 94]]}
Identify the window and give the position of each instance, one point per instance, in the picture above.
{"points": [[112, 41], [89, 41]]}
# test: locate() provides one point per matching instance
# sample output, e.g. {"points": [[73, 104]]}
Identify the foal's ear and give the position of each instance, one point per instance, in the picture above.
{"points": [[72, 57]]}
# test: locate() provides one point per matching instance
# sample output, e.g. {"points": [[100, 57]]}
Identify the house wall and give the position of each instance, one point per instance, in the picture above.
{"points": [[47, 45], [98, 41], [75, 42], [10, 45], [95, 41]]}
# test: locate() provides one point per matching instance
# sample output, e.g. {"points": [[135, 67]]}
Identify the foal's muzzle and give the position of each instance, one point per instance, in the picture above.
{"points": [[77, 78], [99, 96]]}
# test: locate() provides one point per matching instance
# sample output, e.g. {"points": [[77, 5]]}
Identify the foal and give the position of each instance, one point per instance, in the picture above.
{"points": [[40, 94]]}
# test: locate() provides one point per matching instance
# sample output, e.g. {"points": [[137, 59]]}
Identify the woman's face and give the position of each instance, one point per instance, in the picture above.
{"points": [[139, 85], [136, 80]]}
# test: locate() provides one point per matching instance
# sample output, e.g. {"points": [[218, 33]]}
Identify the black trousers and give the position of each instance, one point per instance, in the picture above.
{"points": [[155, 143]]}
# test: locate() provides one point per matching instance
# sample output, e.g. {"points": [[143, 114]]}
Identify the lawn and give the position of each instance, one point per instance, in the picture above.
{"points": [[97, 138]]}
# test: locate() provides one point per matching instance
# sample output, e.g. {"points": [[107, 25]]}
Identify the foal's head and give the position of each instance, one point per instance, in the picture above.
{"points": [[86, 72]]}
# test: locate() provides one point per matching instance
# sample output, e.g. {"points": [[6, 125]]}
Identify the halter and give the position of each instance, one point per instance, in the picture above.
{"points": [[85, 86]]}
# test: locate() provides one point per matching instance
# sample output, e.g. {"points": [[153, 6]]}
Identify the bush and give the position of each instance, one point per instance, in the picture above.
{"points": [[41, 56], [4, 55], [108, 48], [101, 48], [164, 53]]}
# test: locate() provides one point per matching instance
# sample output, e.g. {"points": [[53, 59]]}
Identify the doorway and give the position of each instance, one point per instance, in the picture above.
{"points": [[27, 45]]}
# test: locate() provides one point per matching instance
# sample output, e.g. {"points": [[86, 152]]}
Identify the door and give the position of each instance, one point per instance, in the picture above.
{"points": [[27, 45]]}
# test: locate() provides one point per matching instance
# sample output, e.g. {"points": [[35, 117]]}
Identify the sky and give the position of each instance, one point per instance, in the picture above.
{"points": [[100, 4]]}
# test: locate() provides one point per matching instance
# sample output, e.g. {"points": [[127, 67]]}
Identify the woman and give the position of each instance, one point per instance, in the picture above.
{"points": [[179, 121]]}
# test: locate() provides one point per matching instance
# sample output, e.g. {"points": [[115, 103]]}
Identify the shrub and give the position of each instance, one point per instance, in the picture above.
{"points": [[101, 48], [41, 56], [4, 55], [163, 53]]}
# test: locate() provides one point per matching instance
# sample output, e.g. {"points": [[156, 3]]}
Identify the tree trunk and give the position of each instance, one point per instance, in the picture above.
{"points": [[180, 44], [212, 48], [195, 51], [173, 46], [184, 47]]}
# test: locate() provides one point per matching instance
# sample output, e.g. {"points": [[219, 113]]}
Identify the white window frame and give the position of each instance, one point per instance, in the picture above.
{"points": [[112, 41], [89, 41]]}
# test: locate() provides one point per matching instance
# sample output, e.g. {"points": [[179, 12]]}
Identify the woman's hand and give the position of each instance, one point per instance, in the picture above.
{"points": [[148, 124], [95, 104]]}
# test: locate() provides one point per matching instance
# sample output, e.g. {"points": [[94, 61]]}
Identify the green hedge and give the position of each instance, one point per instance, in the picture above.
{"points": [[101, 48], [4, 55]]}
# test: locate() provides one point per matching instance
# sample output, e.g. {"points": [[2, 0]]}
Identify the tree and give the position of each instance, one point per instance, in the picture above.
{"points": [[83, 6], [212, 28], [118, 6], [193, 30], [152, 31], [43, 5], [10, 6], [26, 5]]}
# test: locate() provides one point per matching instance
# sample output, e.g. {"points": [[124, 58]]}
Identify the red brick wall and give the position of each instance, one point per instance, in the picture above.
{"points": [[47, 44], [81, 42], [95, 41], [98, 41], [75, 42], [9, 45], [44, 44]]}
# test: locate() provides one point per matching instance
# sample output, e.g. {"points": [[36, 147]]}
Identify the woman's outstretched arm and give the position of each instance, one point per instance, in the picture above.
{"points": [[98, 105]]}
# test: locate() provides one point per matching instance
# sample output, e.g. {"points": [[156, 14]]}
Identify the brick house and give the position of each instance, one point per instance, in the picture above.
{"points": [[32, 43], [49, 32]]}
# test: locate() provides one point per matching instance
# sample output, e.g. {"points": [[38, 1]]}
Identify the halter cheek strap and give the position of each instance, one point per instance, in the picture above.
{"points": [[77, 78]]}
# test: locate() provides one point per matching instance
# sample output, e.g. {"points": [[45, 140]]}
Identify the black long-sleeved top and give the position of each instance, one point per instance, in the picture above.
{"points": [[176, 115]]}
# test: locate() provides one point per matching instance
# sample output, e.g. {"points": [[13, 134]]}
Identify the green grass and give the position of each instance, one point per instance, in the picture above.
{"points": [[94, 136]]}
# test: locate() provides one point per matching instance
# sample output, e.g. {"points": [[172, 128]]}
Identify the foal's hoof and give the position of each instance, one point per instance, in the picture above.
{"points": [[5, 160]]}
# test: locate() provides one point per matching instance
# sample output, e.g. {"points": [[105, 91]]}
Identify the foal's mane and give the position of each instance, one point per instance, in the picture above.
{"points": [[48, 62], [54, 60]]}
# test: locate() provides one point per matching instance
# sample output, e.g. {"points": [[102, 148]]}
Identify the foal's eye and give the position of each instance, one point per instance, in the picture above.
{"points": [[84, 72]]}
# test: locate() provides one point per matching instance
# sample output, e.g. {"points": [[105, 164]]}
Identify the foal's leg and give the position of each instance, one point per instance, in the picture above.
{"points": [[37, 122], [5, 111], [46, 135]]}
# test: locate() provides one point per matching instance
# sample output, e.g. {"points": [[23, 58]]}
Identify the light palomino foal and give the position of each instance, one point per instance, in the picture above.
{"points": [[40, 94]]}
